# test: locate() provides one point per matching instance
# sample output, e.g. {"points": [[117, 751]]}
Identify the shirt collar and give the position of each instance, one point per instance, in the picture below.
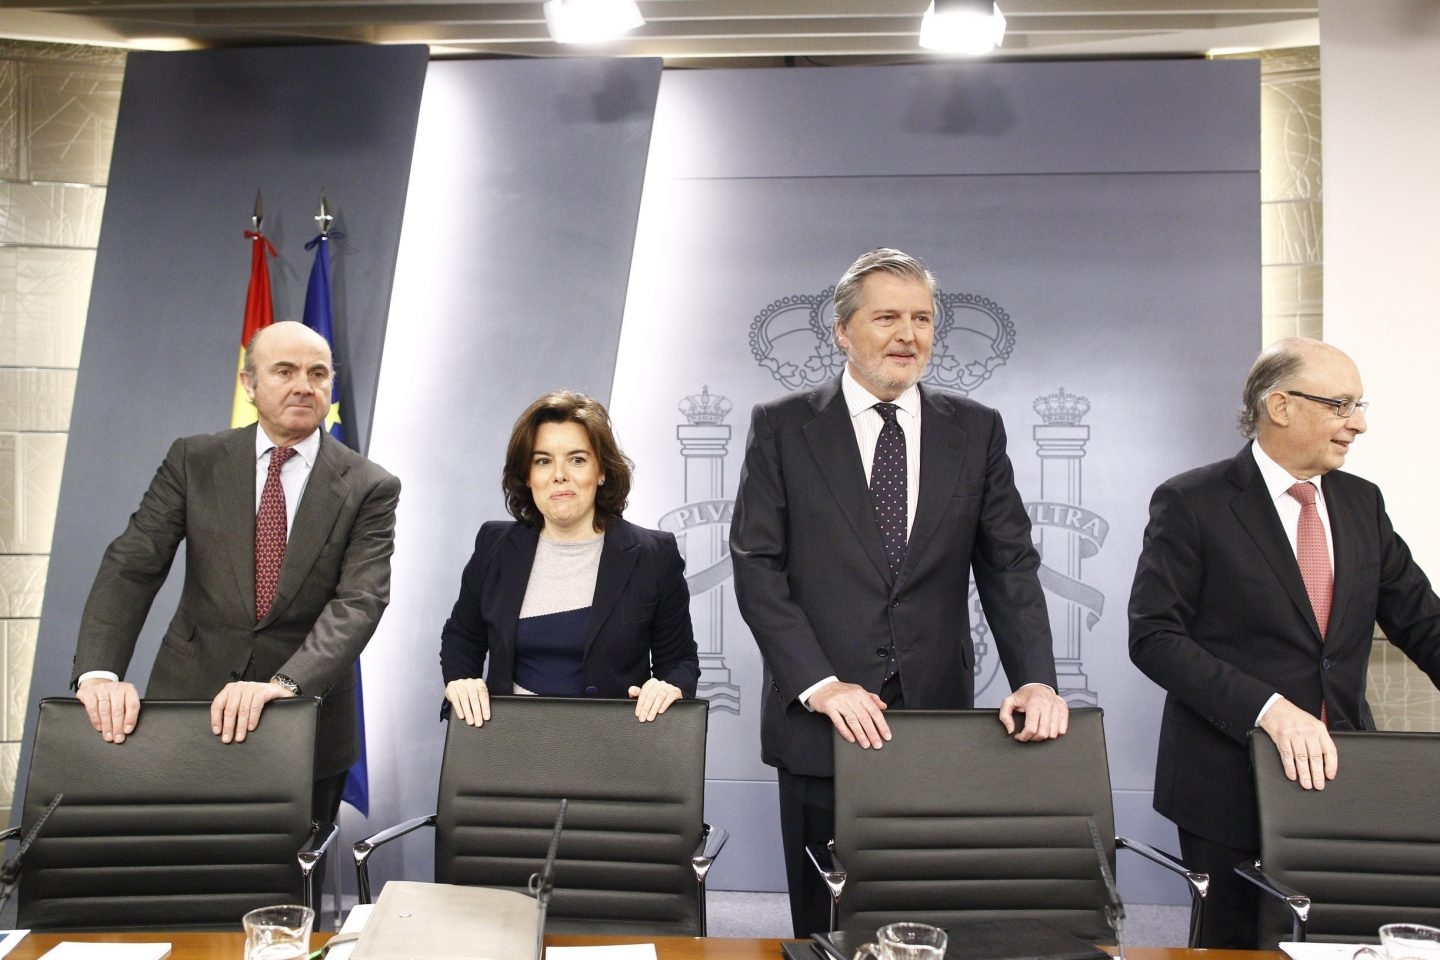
{"points": [[1278, 480], [858, 399], [308, 449]]}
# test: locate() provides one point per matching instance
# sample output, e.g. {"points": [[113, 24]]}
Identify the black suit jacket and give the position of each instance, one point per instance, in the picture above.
{"points": [[639, 623], [814, 586], [334, 583], [1219, 617]]}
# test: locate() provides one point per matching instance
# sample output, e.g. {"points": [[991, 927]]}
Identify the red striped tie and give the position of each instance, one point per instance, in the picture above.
{"points": [[1314, 558]]}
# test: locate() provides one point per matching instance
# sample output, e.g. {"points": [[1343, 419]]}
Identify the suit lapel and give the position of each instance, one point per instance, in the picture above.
{"points": [[516, 557], [325, 493], [1342, 542], [831, 439], [1255, 510], [235, 499], [942, 451], [618, 557]]}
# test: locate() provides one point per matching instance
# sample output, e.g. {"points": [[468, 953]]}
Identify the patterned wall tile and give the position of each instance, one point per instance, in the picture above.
{"points": [[19, 659], [70, 121], [48, 214], [30, 465], [44, 294], [22, 585], [1290, 136], [9, 120], [36, 399], [9, 767], [1400, 694]]}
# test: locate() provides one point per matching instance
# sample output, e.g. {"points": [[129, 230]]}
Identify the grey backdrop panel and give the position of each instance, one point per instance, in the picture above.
{"points": [[1109, 213], [511, 282], [197, 135]]}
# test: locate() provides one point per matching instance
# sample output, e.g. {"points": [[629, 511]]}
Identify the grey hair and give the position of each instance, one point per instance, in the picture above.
{"points": [[1277, 365], [883, 260], [248, 364]]}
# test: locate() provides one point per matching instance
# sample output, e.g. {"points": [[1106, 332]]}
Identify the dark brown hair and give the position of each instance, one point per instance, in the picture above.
{"points": [[565, 406]]}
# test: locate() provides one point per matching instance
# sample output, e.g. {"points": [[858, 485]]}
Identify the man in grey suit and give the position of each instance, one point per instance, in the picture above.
{"points": [[246, 633], [1255, 601], [855, 608]]}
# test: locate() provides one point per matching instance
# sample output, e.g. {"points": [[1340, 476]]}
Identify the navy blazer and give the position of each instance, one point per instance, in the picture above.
{"points": [[639, 623], [1220, 619], [814, 585]]}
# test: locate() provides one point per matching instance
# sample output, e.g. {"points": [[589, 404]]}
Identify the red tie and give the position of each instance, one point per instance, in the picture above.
{"points": [[270, 533], [1314, 558]]}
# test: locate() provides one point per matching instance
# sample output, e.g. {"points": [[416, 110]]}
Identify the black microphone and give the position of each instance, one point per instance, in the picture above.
{"points": [[1114, 907]]}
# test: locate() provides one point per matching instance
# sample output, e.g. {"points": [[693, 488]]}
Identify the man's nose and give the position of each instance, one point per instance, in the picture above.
{"points": [[1356, 421]]}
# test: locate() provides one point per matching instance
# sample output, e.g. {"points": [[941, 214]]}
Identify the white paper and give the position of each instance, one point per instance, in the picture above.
{"points": [[10, 939], [74, 950], [619, 951], [1319, 951]]}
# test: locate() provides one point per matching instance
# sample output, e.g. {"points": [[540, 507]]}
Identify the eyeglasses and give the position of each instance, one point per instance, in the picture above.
{"points": [[1343, 408]]}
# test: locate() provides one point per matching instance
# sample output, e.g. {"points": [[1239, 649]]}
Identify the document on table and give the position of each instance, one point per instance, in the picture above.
{"points": [[75, 950], [619, 951], [9, 939]]}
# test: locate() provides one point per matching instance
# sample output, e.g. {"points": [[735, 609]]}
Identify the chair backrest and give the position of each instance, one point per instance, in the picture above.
{"points": [[1366, 849], [170, 829], [635, 816], [954, 820]]}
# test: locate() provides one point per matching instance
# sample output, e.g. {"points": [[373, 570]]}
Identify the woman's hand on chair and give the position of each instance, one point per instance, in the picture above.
{"points": [[653, 698], [469, 699]]}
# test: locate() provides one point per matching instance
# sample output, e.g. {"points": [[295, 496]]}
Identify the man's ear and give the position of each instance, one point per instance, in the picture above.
{"points": [[248, 384], [1277, 406], [841, 341]]}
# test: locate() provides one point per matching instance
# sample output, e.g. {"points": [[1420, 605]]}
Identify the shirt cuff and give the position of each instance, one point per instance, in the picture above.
{"points": [[95, 675], [809, 691], [1268, 704]]}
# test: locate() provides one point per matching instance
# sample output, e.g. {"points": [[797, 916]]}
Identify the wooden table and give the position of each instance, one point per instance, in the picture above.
{"points": [[230, 946]]}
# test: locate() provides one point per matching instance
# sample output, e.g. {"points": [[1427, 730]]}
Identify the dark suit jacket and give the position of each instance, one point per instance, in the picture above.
{"points": [[334, 583], [815, 588], [1219, 617], [639, 623]]}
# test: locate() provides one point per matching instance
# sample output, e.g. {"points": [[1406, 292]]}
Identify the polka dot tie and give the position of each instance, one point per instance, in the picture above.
{"points": [[888, 491], [1314, 558], [270, 533]]}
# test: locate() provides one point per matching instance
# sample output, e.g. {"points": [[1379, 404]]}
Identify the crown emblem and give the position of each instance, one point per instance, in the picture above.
{"points": [[1062, 407], [705, 408], [792, 338]]}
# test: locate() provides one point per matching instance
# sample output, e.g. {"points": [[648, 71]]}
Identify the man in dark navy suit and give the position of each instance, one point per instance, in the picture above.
{"points": [[1254, 605], [862, 508]]}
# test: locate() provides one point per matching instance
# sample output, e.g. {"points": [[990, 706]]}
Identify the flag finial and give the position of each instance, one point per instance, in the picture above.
{"points": [[258, 215], [323, 219]]}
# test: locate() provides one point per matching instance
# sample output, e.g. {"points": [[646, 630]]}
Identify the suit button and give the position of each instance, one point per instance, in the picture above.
{"points": [[1326, 663], [882, 652], [591, 691], [894, 603]]}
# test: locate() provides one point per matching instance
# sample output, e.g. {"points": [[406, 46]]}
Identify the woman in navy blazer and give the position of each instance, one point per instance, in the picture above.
{"points": [[524, 593]]}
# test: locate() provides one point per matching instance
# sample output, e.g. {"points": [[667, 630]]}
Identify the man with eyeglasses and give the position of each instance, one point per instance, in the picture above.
{"points": [[1259, 584]]}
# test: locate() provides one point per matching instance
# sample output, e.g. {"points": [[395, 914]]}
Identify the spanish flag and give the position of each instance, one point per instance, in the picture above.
{"points": [[259, 313]]}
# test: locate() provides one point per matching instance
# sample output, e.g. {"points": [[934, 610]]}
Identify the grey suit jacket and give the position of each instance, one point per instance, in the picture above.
{"points": [[814, 586], [1220, 619], [334, 583]]}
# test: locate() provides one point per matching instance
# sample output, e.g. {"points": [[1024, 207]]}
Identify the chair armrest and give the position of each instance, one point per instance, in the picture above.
{"points": [[1199, 883], [10, 834], [712, 839], [1298, 902], [834, 877], [311, 855], [363, 848]]}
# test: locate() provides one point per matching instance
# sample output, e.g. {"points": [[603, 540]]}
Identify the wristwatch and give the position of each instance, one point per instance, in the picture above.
{"points": [[287, 683]]}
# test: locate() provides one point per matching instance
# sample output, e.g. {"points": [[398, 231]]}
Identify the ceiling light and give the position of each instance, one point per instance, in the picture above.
{"points": [[974, 27], [590, 21]]}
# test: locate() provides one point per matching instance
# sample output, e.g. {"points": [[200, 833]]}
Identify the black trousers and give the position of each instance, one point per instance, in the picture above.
{"points": [[1232, 907], [807, 818], [324, 808]]}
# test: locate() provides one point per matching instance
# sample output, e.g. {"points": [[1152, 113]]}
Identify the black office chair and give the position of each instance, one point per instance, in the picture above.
{"points": [[635, 850], [1364, 851], [955, 820], [171, 829]]}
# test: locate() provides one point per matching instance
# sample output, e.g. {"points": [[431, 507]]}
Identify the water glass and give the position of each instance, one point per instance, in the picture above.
{"points": [[278, 933]]}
